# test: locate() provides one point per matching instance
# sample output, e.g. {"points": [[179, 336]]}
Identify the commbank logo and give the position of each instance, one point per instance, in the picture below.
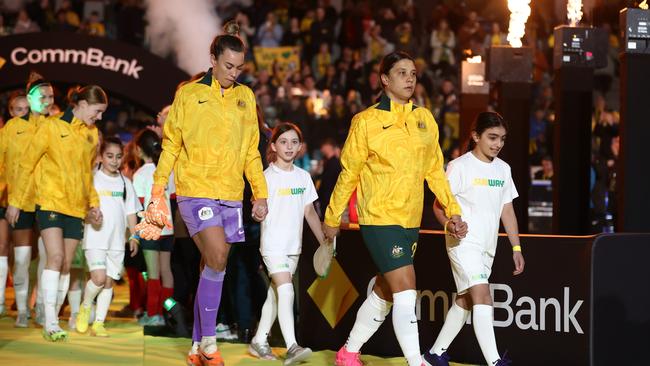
{"points": [[93, 57]]}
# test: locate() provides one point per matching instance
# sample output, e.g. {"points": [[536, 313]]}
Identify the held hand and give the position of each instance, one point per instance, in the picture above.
{"points": [[260, 209], [459, 230], [330, 232], [148, 231], [518, 259], [95, 216], [133, 247], [12, 215]]}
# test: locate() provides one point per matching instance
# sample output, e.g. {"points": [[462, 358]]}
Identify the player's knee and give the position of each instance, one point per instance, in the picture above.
{"points": [[217, 262], [98, 279], [55, 260]]}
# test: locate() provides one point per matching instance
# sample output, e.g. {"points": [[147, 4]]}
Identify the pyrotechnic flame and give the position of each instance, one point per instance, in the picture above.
{"points": [[519, 12], [574, 12]]}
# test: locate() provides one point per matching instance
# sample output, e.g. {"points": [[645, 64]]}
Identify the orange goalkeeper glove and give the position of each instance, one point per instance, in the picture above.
{"points": [[157, 212]]}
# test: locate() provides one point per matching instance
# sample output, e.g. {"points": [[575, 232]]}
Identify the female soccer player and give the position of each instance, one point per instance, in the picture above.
{"points": [[291, 197], [483, 186], [210, 140], [59, 158], [14, 137], [104, 244], [391, 149]]}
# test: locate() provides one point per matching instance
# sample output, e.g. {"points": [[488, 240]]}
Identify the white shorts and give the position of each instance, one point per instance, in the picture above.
{"points": [[282, 263], [471, 265], [110, 260]]}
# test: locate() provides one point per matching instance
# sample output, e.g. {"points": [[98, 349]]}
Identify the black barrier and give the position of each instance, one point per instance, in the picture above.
{"points": [[129, 71], [621, 300], [541, 317]]}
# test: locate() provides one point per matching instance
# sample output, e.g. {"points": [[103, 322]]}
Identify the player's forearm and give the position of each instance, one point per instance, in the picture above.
{"points": [[439, 213]]}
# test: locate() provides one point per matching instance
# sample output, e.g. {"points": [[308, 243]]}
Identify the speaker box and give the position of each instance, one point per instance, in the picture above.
{"points": [[580, 47], [634, 30], [510, 64]]}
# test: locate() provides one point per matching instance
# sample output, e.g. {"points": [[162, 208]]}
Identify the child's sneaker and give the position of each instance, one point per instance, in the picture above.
{"points": [[261, 350], [224, 332], [432, 359], [22, 321], [296, 354], [81, 322], [98, 330], [504, 361]]}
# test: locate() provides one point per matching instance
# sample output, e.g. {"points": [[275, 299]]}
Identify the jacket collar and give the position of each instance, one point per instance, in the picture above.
{"points": [[385, 103]]}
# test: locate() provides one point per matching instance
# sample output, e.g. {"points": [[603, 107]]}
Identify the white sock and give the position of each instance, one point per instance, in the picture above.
{"points": [[482, 320], [103, 302], [42, 258], [208, 344], [49, 287], [22, 258], [285, 313], [456, 318], [4, 270], [74, 298], [64, 285], [269, 313], [370, 317], [90, 293], [405, 324]]}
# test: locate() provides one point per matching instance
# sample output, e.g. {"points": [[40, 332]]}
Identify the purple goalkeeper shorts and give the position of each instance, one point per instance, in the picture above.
{"points": [[202, 213]]}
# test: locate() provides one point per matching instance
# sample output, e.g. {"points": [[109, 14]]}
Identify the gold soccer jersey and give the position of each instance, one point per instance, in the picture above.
{"points": [[63, 150], [390, 150], [15, 136], [210, 140]]}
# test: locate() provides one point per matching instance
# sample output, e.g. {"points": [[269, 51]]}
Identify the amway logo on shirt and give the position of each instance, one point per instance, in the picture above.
{"points": [[93, 57]]}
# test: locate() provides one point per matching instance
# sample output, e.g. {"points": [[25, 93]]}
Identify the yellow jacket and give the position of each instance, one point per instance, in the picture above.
{"points": [[64, 149], [389, 152], [210, 141], [14, 138]]}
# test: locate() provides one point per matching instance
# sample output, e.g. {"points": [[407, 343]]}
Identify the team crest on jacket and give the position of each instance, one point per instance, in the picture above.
{"points": [[52, 216], [241, 104], [422, 125]]}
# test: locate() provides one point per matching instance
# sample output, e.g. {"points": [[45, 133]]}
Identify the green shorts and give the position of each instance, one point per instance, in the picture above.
{"points": [[25, 221], [73, 227], [391, 246]]}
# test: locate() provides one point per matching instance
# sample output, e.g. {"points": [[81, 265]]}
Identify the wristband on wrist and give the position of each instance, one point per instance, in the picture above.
{"points": [[446, 227], [516, 248], [135, 237]]}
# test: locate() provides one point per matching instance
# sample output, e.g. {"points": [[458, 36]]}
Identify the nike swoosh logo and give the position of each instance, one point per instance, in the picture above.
{"points": [[413, 321], [20, 132], [207, 309], [202, 101], [206, 356], [378, 321], [64, 135], [385, 127]]}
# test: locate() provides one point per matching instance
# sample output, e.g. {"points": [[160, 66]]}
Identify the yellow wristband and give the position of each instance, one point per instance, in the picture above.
{"points": [[446, 224], [516, 248]]}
